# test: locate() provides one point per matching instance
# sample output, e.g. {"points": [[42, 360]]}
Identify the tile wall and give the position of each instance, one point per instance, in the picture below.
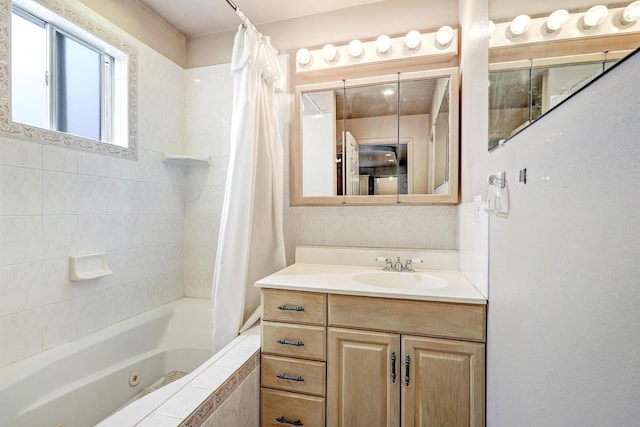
{"points": [[56, 202]]}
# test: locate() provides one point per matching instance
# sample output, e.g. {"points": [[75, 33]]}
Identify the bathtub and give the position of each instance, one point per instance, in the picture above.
{"points": [[80, 383]]}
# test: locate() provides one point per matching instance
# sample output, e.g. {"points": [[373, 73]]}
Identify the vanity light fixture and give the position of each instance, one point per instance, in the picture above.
{"points": [[412, 40], [303, 57], [355, 48], [329, 53], [631, 13], [595, 16], [557, 19], [520, 25], [383, 44], [444, 36]]}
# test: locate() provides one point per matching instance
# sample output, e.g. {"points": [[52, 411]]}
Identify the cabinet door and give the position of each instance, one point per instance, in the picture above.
{"points": [[361, 389], [446, 383]]}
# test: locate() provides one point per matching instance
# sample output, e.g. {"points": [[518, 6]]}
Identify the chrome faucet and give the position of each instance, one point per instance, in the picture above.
{"points": [[390, 266]]}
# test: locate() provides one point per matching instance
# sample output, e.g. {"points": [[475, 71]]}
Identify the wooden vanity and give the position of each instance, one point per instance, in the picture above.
{"points": [[337, 359]]}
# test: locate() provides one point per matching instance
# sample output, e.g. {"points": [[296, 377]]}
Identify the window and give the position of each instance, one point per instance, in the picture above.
{"points": [[68, 86]]}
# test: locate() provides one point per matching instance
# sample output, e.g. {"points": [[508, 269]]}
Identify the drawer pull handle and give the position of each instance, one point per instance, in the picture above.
{"points": [[289, 308], [407, 361], [283, 420], [287, 342], [289, 377], [393, 367]]}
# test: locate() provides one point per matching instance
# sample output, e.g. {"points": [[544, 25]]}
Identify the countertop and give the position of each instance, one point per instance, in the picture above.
{"points": [[339, 279]]}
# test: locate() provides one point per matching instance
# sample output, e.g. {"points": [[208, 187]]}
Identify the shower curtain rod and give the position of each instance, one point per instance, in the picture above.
{"points": [[241, 14]]}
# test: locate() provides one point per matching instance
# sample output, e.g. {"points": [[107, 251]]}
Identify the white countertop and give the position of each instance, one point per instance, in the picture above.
{"points": [[339, 279]]}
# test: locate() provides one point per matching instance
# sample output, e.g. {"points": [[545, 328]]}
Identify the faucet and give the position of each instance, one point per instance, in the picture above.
{"points": [[390, 266]]}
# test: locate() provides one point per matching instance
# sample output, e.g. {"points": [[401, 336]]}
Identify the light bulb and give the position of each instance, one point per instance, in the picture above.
{"points": [[557, 19], [444, 36], [304, 57], [631, 13], [412, 40], [355, 48], [595, 16], [520, 24], [329, 53], [383, 44]]}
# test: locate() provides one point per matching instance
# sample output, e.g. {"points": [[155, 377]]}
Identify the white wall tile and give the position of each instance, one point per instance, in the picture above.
{"points": [[14, 152], [20, 239], [20, 287], [59, 236], [92, 164], [59, 193], [20, 191], [92, 195], [59, 159], [20, 335]]}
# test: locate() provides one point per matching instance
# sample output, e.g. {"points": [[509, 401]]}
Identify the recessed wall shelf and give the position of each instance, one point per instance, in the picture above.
{"points": [[88, 266], [182, 159]]}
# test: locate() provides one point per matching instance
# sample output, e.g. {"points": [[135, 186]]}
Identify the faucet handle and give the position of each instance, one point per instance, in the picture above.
{"points": [[387, 261], [409, 263]]}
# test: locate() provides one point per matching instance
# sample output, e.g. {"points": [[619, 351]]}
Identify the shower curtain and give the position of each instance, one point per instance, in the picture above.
{"points": [[251, 240]]}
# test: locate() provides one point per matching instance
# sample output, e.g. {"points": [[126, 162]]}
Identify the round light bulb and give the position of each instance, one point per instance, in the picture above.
{"points": [[557, 19], [444, 35], [355, 48], [329, 53], [595, 16], [520, 25], [304, 57], [383, 44], [413, 39], [631, 13]]}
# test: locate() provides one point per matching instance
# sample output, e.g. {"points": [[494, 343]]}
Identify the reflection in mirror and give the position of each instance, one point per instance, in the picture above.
{"points": [[518, 97], [533, 72], [381, 140]]}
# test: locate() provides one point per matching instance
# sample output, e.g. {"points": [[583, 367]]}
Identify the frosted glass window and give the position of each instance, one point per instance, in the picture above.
{"points": [[62, 80], [79, 88], [29, 71]]}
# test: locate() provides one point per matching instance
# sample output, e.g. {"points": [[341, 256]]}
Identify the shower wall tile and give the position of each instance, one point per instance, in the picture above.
{"points": [[56, 202], [20, 191]]}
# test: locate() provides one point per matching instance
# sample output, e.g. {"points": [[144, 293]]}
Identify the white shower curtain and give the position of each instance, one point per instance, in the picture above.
{"points": [[251, 241]]}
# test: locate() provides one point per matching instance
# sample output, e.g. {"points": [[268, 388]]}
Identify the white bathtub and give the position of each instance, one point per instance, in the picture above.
{"points": [[80, 383]]}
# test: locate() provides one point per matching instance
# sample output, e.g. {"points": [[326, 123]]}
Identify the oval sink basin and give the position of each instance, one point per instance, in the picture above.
{"points": [[393, 279]]}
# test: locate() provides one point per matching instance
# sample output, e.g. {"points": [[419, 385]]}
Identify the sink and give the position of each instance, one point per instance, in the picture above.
{"points": [[398, 280]]}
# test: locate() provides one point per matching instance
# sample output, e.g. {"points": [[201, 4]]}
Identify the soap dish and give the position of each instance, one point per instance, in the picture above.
{"points": [[88, 266]]}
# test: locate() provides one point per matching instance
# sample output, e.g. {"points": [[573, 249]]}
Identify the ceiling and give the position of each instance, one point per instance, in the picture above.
{"points": [[195, 18]]}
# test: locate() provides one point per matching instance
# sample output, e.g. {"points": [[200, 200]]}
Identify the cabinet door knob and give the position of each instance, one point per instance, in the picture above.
{"points": [[393, 367], [289, 377], [283, 420], [407, 362], [287, 342], [290, 308]]}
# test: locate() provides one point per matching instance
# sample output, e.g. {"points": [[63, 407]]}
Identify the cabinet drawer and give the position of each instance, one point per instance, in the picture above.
{"points": [[304, 341], [439, 319], [280, 408], [301, 376], [296, 307]]}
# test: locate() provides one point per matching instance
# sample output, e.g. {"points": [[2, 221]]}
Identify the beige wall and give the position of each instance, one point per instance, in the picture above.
{"points": [[142, 23]]}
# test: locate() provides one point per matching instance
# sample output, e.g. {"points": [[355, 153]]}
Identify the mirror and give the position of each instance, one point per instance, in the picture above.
{"points": [[532, 73], [382, 140]]}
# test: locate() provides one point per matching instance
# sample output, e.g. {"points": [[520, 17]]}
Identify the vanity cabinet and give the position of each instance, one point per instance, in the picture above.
{"points": [[404, 363], [293, 360], [369, 361]]}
